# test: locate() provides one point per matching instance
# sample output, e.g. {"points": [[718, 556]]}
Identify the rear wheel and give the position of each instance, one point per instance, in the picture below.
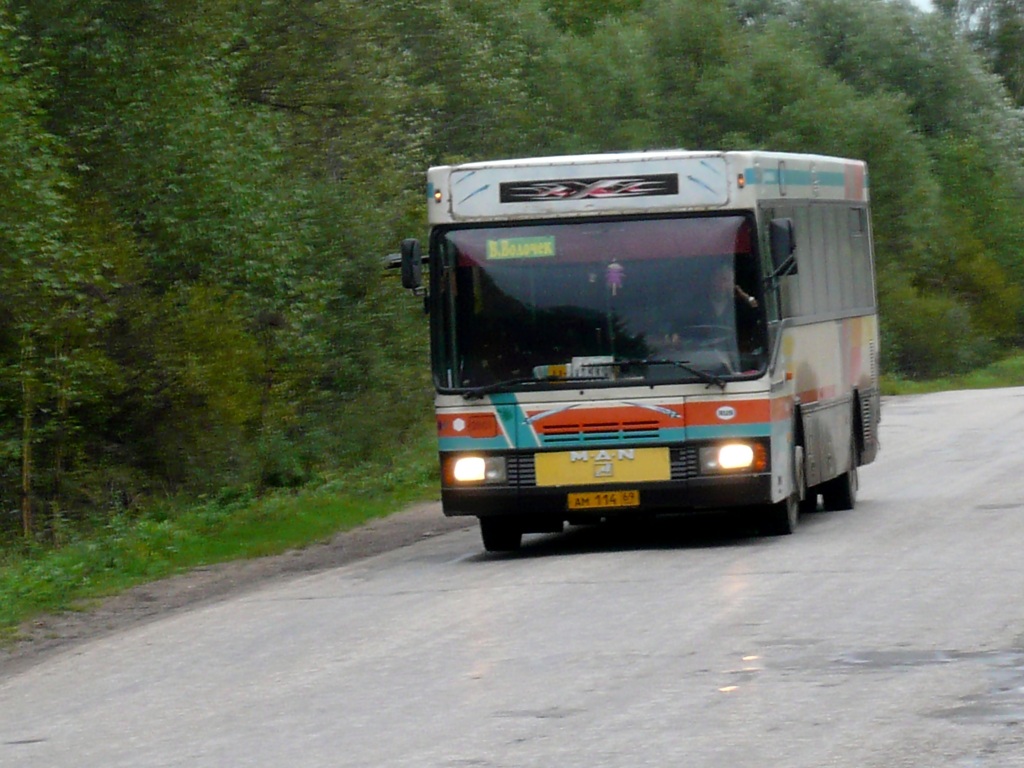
{"points": [[841, 492], [810, 503], [500, 535]]}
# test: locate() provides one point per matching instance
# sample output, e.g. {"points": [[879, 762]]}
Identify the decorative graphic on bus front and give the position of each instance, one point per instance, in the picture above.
{"points": [[579, 189]]}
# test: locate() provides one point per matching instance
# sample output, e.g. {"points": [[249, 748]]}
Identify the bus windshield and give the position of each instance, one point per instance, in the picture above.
{"points": [[670, 298]]}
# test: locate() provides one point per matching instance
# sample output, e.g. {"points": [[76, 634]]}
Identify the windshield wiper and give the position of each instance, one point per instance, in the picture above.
{"points": [[705, 376], [486, 389]]}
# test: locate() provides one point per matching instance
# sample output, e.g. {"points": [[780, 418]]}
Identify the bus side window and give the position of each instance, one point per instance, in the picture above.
{"points": [[861, 256]]}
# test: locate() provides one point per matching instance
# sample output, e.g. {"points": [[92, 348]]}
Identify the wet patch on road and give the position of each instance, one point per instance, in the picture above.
{"points": [[550, 713], [1001, 703], [999, 507]]}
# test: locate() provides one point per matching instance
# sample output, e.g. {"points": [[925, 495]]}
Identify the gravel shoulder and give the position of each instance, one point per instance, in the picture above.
{"points": [[52, 634]]}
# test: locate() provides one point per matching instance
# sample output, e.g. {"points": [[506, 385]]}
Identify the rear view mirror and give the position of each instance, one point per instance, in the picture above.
{"points": [[782, 237], [412, 264]]}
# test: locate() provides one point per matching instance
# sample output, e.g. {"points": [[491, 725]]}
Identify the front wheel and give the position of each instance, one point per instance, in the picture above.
{"points": [[500, 535], [782, 518]]}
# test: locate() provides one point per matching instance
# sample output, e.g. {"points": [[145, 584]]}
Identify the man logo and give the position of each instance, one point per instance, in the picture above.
{"points": [[603, 461], [621, 454]]}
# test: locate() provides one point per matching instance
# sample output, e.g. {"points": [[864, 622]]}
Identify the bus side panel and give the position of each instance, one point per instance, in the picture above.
{"points": [[828, 427], [835, 372], [783, 440]]}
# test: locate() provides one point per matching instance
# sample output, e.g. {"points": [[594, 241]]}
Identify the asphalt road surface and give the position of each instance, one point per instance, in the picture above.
{"points": [[891, 635]]}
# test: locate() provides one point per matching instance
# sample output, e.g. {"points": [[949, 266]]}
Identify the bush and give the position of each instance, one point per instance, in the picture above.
{"points": [[926, 335]]}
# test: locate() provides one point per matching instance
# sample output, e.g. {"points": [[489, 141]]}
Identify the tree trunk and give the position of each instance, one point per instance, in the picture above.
{"points": [[26, 454]]}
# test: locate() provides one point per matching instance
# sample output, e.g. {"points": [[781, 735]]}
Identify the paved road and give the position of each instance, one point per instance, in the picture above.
{"points": [[892, 635]]}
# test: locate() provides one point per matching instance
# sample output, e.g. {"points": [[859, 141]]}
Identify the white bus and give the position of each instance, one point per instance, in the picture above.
{"points": [[649, 333]]}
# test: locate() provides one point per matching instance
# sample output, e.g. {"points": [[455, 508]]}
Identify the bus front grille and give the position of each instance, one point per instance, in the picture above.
{"points": [[683, 462], [521, 470], [593, 432]]}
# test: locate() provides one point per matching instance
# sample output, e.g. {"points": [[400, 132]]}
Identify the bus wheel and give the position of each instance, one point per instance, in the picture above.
{"points": [[500, 535], [783, 517], [841, 492], [809, 500], [810, 503]]}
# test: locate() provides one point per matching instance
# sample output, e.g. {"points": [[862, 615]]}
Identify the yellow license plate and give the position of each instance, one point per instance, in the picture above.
{"points": [[612, 465], [604, 500]]}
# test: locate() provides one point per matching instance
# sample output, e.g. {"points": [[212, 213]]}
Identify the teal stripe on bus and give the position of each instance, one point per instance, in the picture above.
{"points": [[797, 177], [681, 435], [472, 444], [728, 432], [513, 419]]}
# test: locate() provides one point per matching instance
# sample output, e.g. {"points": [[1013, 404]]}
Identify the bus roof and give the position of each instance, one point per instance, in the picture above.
{"points": [[657, 181], [642, 156]]}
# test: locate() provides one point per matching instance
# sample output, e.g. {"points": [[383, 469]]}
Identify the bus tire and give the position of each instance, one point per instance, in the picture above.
{"points": [[808, 496], [782, 518], [841, 492], [810, 503], [500, 534]]}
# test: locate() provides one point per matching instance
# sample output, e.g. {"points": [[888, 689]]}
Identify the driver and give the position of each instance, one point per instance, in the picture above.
{"points": [[727, 298], [712, 323]]}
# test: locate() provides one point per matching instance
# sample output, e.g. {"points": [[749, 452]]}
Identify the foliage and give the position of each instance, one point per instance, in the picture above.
{"points": [[582, 16], [996, 29], [195, 198], [1003, 372]]}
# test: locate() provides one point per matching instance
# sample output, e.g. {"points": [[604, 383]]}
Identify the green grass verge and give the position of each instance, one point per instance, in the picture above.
{"points": [[169, 538], [1008, 372]]}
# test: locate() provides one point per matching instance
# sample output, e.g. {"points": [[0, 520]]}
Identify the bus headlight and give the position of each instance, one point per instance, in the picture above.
{"points": [[733, 457], [477, 469]]}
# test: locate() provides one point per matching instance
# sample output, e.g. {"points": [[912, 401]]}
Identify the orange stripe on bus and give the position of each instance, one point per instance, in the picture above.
{"points": [[467, 425], [820, 394], [746, 412]]}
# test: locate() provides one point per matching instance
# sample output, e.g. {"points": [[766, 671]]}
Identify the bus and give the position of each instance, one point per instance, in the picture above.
{"points": [[649, 333]]}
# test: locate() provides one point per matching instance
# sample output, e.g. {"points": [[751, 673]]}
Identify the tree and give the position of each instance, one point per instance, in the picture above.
{"points": [[687, 40], [54, 289], [996, 29], [194, 198], [584, 16]]}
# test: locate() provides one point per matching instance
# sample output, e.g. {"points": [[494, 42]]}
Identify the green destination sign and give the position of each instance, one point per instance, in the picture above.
{"points": [[521, 248]]}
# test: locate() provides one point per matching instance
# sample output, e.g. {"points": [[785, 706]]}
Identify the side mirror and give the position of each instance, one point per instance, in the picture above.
{"points": [[782, 239], [412, 264]]}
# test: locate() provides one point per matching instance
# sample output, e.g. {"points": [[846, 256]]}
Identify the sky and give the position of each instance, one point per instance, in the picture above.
{"points": [[923, 4]]}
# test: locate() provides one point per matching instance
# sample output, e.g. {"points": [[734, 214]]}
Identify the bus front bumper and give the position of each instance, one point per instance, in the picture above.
{"points": [[542, 505]]}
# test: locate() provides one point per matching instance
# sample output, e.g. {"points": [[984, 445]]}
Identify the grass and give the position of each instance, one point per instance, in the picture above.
{"points": [[1008, 372], [168, 538]]}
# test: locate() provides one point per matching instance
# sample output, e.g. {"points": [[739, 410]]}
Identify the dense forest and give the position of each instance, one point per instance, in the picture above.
{"points": [[196, 195]]}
